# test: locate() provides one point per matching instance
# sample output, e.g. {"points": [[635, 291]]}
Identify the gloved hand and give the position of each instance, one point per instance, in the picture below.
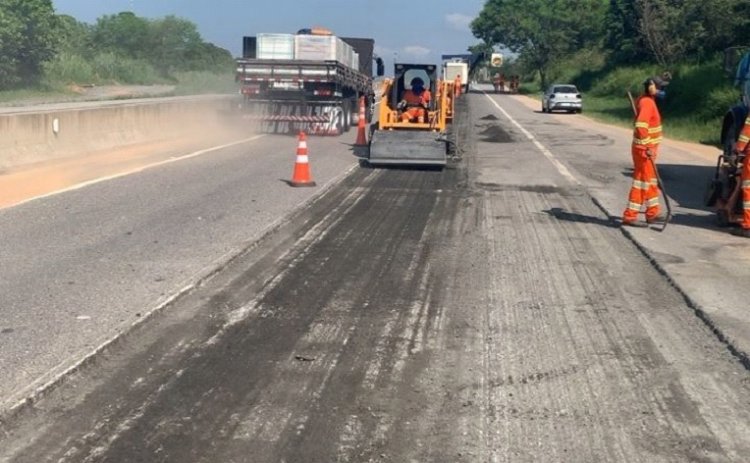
{"points": [[401, 105], [649, 153]]}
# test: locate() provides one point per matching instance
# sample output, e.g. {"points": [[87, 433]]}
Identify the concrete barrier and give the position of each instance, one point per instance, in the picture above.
{"points": [[52, 132]]}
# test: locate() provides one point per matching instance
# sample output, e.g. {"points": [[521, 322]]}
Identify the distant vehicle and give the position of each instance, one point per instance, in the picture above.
{"points": [[562, 97], [452, 69]]}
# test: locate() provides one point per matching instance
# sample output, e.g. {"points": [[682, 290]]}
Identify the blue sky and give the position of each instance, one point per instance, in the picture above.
{"points": [[412, 31]]}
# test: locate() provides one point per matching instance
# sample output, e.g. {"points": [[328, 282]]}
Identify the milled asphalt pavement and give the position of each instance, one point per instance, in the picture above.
{"points": [[707, 264]]}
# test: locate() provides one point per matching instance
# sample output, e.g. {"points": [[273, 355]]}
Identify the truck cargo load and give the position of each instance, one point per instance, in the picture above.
{"points": [[275, 46], [365, 49], [324, 48]]}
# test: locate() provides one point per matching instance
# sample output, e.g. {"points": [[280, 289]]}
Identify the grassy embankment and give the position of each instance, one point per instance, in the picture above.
{"points": [[66, 74], [697, 98]]}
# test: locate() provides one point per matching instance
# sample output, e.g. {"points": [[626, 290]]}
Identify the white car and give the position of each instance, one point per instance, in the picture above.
{"points": [[562, 97]]}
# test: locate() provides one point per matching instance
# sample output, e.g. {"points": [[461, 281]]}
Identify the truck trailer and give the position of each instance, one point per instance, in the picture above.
{"points": [[305, 81]]}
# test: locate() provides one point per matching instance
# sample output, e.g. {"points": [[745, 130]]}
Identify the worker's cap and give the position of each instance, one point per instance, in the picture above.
{"points": [[660, 81], [417, 81]]}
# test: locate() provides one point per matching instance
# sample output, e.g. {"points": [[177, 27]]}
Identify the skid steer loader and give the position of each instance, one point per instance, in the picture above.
{"points": [[397, 139]]}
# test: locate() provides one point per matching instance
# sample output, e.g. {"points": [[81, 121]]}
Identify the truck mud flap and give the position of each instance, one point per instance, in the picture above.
{"points": [[407, 147]]}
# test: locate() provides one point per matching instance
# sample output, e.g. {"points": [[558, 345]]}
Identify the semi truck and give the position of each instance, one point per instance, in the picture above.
{"points": [[310, 81]]}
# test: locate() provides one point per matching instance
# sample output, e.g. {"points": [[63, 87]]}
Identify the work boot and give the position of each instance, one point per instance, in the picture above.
{"points": [[744, 232]]}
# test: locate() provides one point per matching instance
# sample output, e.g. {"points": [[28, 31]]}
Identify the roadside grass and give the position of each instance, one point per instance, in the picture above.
{"points": [[204, 82], [101, 69], [67, 75]]}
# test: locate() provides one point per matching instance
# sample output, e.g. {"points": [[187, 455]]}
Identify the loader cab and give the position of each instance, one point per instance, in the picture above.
{"points": [[403, 75]]}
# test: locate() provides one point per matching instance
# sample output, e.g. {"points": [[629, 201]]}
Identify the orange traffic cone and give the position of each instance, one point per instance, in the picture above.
{"points": [[301, 176], [361, 136]]}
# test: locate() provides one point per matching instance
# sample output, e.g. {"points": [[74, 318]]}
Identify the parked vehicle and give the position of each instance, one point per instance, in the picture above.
{"points": [[309, 81], [562, 97]]}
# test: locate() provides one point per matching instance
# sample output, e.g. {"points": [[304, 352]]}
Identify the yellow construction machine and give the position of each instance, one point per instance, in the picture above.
{"points": [[407, 132]]}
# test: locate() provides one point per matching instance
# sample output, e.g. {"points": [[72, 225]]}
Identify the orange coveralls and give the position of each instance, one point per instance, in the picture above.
{"points": [[743, 146], [457, 86], [415, 101], [647, 136]]}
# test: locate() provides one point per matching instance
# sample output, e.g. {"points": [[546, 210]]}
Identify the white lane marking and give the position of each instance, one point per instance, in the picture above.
{"points": [[547, 153], [78, 186]]}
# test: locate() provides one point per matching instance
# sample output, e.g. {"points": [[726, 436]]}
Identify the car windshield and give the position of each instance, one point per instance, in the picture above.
{"points": [[565, 89]]}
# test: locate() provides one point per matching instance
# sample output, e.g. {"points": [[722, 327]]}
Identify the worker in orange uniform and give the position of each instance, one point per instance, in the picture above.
{"points": [[457, 85], [647, 136], [415, 102], [742, 148]]}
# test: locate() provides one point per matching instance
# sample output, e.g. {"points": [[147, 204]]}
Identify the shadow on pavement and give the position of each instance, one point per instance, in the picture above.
{"points": [[361, 152], [707, 222], [685, 184], [561, 214]]}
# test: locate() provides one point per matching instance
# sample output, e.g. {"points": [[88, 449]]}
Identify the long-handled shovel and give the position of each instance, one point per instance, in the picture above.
{"points": [[658, 177]]}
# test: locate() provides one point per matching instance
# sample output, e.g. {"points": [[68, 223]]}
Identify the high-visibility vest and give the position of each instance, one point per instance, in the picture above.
{"points": [[412, 98], [648, 131]]}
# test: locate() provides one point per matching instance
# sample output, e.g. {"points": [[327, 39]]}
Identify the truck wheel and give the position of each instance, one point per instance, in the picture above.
{"points": [[347, 115], [340, 123]]}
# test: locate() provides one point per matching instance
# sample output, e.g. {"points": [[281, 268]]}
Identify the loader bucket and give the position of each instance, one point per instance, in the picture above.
{"points": [[408, 147]]}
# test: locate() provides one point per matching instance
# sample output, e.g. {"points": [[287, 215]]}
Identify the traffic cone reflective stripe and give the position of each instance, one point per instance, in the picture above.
{"points": [[301, 176], [361, 136]]}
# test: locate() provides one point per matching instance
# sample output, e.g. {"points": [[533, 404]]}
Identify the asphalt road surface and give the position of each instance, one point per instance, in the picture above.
{"points": [[488, 312]]}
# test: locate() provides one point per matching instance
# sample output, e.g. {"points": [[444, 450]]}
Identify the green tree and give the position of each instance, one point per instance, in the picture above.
{"points": [[73, 36], [209, 57], [175, 44], [622, 36], [673, 31], [541, 32], [27, 39], [123, 33]]}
